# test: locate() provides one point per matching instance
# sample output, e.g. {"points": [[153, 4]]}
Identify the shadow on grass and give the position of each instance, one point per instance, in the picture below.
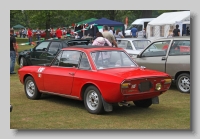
{"points": [[117, 110]]}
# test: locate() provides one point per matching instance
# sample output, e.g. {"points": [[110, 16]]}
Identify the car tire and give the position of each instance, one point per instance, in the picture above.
{"points": [[93, 101], [31, 89], [22, 62], [145, 103], [183, 83]]}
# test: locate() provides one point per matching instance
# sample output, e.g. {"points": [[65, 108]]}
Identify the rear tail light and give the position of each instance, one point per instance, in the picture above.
{"points": [[125, 85]]}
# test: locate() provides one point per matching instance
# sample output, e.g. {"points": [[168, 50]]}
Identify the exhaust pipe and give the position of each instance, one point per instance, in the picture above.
{"points": [[124, 104]]}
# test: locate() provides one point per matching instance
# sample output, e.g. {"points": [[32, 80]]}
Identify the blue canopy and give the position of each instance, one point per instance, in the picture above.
{"points": [[110, 23], [105, 21]]}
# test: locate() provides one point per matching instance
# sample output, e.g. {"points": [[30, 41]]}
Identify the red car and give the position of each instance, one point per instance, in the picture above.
{"points": [[98, 75]]}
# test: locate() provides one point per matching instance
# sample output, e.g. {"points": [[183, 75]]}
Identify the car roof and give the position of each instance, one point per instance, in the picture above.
{"points": [[131, 39], [174, 38], [66, 40], [91, 48]]}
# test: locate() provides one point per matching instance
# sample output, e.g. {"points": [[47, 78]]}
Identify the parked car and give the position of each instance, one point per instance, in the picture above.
{"points": [[45, 51], [170, 55], [133, 46], [98, 75]]}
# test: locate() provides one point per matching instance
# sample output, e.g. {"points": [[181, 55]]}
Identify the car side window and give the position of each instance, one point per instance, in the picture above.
{"points": [[54, 47], [42, 46], [156, 49], [122, 43], [56, 60], [180, 47], [84, 63], [129, 46], [70, 59]]}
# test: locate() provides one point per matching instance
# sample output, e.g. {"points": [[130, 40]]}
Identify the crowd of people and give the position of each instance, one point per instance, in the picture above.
{"points": [[38, 33], [176, 32]]}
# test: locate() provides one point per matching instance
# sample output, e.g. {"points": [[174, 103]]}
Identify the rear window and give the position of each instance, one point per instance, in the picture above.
{"points": [[180, 47], [141, 44]]}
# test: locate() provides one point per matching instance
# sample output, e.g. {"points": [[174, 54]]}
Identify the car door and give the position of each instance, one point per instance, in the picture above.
{"points": [[58, 78], [154, 56], [179, 57], [38, 54], [54, 48]]}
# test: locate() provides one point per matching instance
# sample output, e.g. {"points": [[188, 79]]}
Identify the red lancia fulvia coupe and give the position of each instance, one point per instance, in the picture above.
{"points": [[98, 75]]}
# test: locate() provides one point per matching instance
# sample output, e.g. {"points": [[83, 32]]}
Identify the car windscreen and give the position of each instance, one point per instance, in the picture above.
{"points": [[111, 59], [140, 44]]}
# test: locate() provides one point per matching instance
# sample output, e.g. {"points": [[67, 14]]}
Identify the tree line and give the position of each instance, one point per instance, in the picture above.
{"points": [[45, 19]]}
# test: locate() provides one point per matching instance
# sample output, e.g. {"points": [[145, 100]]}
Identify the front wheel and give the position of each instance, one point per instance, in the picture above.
{"points": [[31, 89], [143, 103], [183, 83], [93, 101], [22, 62]]}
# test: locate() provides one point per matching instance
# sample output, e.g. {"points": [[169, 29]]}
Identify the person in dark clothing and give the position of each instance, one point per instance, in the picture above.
{"points": [[188, 31], [176, 31], [13, 51]]}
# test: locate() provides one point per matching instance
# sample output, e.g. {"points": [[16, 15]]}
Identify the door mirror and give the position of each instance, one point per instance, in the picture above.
{"points": [[31, 49], [138, 56]]}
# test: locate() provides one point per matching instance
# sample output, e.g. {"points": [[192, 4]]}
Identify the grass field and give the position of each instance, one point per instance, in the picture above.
{"points": [[54, 112]]}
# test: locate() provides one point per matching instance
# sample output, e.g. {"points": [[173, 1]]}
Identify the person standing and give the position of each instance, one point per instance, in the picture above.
{"points": [[106, 34], [13, 51], [134, 32], [38, 34], [187, 31], [30, 34], [170, 33], [144, 32], [24, 33], [100, 40], [58, 33], [118, 34], [176, 31]]}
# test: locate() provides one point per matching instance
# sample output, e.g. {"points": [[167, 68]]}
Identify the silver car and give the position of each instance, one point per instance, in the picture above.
{"points": [[170, 55], [133, 46]]}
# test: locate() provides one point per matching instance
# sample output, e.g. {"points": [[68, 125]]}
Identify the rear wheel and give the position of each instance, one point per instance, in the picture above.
{"points": [[31, 89], [93, 101], [183, 83], [143, 103]]}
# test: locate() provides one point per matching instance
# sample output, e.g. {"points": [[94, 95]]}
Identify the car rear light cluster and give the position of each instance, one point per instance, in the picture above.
{"points": [[130, 87]]}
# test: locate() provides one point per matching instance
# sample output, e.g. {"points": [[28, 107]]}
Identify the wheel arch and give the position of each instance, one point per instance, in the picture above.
{"points": [[84, 87], [179, 73], [27, 76]]}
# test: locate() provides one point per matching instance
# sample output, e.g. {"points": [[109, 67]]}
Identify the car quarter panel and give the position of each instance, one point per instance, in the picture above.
{"points": [[108, 85]]}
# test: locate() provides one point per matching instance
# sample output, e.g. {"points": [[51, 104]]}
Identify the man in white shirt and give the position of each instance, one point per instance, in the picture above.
{"points": [[111, 30]]}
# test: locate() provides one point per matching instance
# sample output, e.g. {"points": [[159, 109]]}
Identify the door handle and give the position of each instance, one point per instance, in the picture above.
{"points": [[163, 58], [71, 73]]}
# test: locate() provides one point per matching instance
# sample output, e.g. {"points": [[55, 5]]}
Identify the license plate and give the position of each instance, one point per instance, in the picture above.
{"points": [[145, 86]]}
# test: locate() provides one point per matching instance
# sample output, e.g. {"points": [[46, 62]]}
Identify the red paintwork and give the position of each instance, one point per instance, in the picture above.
{"points": [[58, 80]]}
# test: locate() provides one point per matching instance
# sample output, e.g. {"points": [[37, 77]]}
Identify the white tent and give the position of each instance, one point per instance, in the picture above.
{"points": [[160, 26]]}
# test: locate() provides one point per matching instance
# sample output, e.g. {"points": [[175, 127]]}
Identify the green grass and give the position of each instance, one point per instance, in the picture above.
{"points": [[54, 112]]}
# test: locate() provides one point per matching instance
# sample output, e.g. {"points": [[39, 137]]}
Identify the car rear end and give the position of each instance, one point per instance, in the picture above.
{"points": [[144, 87]]}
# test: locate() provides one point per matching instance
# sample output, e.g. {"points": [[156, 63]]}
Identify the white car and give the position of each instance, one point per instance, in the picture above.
{"points": [[133, 46]]}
